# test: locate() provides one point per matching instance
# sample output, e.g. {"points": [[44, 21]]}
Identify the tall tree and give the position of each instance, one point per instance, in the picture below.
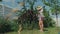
{"points": [[25, 12], [54, 4]]}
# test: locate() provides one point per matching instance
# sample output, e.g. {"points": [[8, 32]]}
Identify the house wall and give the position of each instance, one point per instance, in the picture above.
{"points": [[57, 23]]}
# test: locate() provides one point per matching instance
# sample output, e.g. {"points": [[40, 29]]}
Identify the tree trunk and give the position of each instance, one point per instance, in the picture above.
{"points": [[56, 20]]}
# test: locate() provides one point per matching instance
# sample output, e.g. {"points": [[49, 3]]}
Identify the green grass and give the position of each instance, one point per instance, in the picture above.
{"points": [[35, 31]]}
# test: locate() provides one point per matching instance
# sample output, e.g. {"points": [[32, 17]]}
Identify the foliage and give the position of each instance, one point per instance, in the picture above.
{"points": [[6, 26], [30, 21], [55, 7], [28, 17], [48, 21], [54, 4]]}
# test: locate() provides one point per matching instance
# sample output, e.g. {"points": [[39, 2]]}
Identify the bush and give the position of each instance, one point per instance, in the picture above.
{"points": [[48, 21], [6, 26]]}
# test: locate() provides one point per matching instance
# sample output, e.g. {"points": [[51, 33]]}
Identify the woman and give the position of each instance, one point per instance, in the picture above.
{"points": [[40, 17]]}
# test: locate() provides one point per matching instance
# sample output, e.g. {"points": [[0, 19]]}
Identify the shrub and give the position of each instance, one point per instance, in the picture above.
{"points": [[6, 26]]}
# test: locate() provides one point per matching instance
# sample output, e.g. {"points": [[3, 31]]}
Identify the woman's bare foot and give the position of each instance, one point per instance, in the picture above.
{"points": [[41, 30]]}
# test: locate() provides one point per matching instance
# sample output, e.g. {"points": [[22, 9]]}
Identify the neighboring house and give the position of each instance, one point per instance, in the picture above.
{"points": [[6, 11]]}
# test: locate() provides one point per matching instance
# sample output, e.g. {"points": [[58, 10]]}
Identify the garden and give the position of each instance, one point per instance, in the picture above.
{"points": [[27, 20]]}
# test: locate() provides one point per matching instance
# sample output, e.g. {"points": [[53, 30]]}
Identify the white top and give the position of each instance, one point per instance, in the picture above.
{"points": [[40, 13]]}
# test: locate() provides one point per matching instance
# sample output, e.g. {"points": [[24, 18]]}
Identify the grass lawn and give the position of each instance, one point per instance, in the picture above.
{"points": [[35, 31]]}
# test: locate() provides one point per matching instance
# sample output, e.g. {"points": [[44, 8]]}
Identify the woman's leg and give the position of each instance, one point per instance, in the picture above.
{"points": [[41, 25]]}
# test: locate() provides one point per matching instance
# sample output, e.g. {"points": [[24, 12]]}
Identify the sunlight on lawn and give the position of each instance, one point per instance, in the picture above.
{"points": [[35, 31]]}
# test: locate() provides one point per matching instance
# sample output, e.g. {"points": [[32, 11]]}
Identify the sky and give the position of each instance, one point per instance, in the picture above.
{"points": [[14, 4]]}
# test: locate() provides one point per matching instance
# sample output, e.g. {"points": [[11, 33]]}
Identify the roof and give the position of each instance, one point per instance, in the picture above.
{"points": [[6, 6]]}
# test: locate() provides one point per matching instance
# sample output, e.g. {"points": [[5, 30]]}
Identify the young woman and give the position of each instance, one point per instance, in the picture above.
{"points": [[40, 17]]}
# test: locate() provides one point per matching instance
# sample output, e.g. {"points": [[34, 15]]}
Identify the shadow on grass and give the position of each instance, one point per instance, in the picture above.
{"points": [[36, 31]]}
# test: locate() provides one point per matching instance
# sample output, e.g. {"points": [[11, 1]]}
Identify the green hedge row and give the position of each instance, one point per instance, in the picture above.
{"points": [[6, 26]]}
